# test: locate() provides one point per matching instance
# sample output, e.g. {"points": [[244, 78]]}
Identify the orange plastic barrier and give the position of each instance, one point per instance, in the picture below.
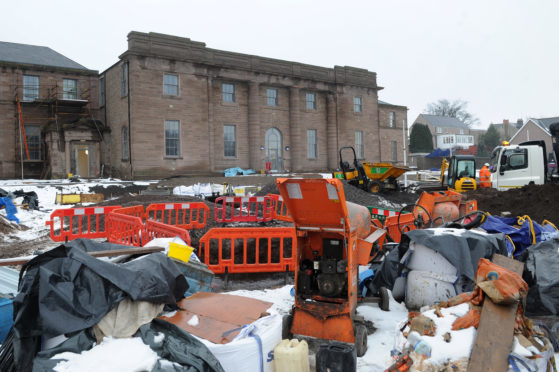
{"points": [[154, 229], [244, 209], [88, 222], [124, 229], [249, 249], [184, 215], [136, 211], [280, 208]]}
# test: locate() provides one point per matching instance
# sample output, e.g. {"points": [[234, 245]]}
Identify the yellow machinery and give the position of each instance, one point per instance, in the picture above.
{"points": [[461, 175], [372, 177]]}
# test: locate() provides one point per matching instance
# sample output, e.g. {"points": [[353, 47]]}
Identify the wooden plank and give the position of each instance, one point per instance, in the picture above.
{"points": [[494, 338], [112, 253]]}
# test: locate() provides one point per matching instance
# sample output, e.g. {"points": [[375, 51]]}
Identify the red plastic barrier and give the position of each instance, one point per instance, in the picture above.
{"points": [[280, 208], [88, 222], [154, 229], [249, 249], [244, 209], [136, 211], [124, 229], [184, 215]]}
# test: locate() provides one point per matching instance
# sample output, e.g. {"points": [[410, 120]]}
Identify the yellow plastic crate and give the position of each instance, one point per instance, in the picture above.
{"points": [[180, 252]]}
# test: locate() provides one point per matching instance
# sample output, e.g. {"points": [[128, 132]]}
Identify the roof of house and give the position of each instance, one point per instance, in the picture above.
{"points": [[388, 104], [545, 122], [444, 121], [35, 55]]}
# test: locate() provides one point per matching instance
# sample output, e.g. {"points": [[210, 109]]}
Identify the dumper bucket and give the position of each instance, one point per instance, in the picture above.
{"points": [[315, 203]]}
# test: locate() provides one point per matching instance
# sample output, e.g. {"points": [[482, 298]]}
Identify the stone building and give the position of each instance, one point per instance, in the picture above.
{"points": [[393, 129], [53, 101], [175, 106]]}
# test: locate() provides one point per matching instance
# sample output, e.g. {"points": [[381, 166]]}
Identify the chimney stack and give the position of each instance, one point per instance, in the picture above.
{"points": [[505, 121], [519, 123]]}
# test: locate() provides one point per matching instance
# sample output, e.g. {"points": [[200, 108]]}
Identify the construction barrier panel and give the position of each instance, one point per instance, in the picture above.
{"points": [[280, 208], [381, 214], [72, 223], [154, 229], [244, 209], [184, 215], [136, 211], [125, 229], [249, 249]]}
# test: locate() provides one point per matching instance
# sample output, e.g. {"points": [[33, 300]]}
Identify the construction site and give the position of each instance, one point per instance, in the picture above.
{"points": [[189, 208]]}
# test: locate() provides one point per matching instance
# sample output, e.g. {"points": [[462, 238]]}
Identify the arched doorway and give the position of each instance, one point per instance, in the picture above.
{"points": [[274, 148]]}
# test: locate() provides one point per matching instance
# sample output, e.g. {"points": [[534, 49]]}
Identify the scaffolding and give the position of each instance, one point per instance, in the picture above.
{"points": [[51, 107]]}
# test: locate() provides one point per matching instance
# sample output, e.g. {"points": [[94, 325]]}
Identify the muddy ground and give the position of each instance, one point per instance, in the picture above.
{"points": [[540, 202]]}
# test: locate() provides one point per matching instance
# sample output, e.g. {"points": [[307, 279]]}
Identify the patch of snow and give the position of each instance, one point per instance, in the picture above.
{"points": [[111, 355], [281, 297], [170, 314], [194, 321], [158, 338]]}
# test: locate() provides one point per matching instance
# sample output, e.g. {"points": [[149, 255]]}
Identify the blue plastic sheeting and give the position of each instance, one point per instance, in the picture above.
{"points": [[11, 209], [522, 237], [231, 172], [364, 277], [438, 153]]}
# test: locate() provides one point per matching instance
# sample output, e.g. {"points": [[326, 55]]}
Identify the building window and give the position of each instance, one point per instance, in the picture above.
{"points": [[125, 143], [359, 151], [30, 87], [357, 104], [172, 138], [33, 137], [311, 144], [124, 80], [311, 101], [439, 130], [393, 151], [228, 92], [392, 123], [272, 97], [70, 89], [102, 91], [229, 141], [170, 85], [461, 131]]}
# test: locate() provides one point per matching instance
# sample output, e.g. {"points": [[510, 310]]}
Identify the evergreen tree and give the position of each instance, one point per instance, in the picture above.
{"points": [[488, 141], [421, 139]]}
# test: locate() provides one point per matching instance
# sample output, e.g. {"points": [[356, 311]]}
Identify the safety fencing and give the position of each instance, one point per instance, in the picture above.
{"points": [[280, 208], [249, 250], [135, 211], [184, 215], [71, 223], [125, 229], [381, 214], [244, 209], [154, 229]]}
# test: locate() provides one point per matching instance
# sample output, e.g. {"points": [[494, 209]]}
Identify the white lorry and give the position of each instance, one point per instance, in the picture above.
{"points": [[518, 165]]}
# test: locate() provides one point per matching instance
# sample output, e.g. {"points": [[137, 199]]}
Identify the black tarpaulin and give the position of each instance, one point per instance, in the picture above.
{"points": [[66, 290]]}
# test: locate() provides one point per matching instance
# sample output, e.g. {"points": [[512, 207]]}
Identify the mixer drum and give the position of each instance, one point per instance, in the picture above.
{"points": [[444, 212]]}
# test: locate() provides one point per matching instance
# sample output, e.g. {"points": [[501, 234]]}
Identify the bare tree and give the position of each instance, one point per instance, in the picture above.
{"points": [[453, 109]]}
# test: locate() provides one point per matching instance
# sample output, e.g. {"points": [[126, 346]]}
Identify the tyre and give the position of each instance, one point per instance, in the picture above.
{"points": [[374, 187], [360, 340], [286, 334], [384, 303]]}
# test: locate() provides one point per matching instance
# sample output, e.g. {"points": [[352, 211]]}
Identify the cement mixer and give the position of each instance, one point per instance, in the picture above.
{"points": [[334, 237]]}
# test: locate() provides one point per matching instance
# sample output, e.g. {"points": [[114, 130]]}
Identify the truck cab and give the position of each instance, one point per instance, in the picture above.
{"points": [[518, 165]]}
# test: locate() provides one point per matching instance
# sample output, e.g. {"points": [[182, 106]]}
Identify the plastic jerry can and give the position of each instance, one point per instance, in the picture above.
{"points": [[336, 357], [291, 356]]}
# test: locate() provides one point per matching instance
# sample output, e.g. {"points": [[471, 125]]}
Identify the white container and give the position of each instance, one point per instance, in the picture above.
{"points": [[243, 353], [291, 356], [426, 288], [425, 259]]}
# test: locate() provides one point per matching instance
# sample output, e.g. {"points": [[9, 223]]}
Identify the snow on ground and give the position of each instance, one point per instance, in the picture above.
{"points": [[46, 192], [111, 355]]}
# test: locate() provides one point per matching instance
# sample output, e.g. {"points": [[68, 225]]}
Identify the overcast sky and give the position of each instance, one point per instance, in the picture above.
{"points": [[500, 56]]}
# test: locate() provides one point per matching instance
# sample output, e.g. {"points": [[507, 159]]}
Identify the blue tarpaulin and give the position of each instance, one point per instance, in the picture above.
{"points": [[231, 172], [438, 153], [11, 209], [522, 237]]}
